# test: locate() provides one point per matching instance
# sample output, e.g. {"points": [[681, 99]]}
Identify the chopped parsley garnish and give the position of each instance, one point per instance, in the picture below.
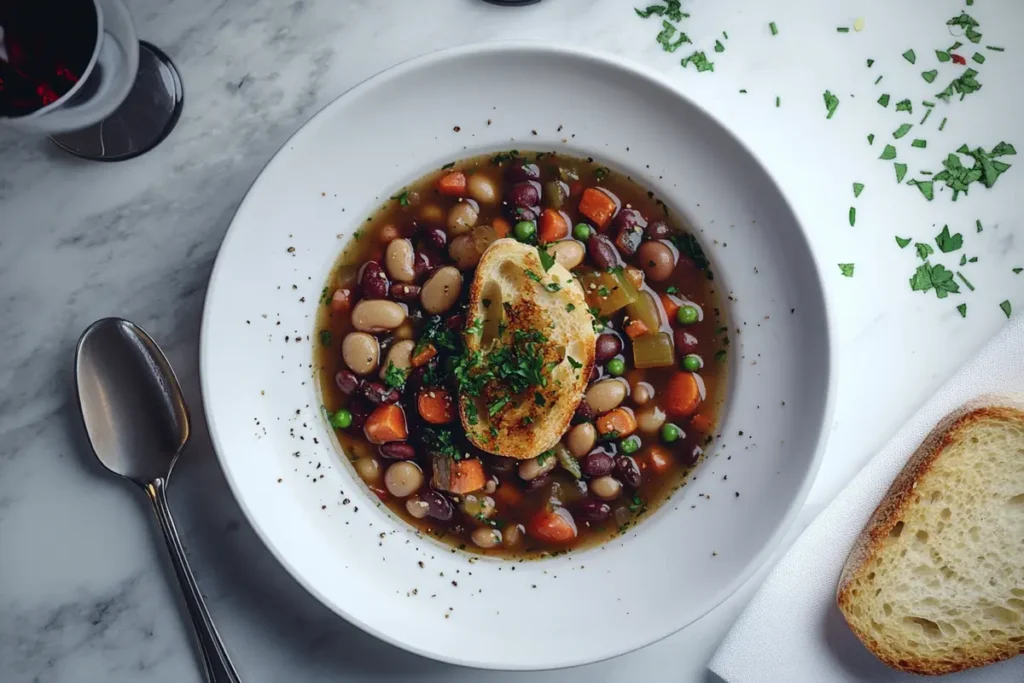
{"points": [[995, 49], [889, 153], [501, 157], [857, 189], [871, 138], [879, 79], [671, 9], [532, 275], [842, 29], [942, 55], [699, 60], [978, 57], [450, 164], [325, 337], [962, 308], [902, 241], [870, 63], [497, 405], [935, 277], [831, 103], [884, 100], [923, 250], [943, 124], [394, 377], [667, 37], [602, 173], [925, 186], [910, 56], [905, 105], [986, 169], [846, 269], [476, 327], [773, 28], [402, 198], [437, 333], [719, 47], [1005, 306], [720, 355], [963, 86], [553, 287], [902, 130], [569, 308], [440, 442], [929, 76], [966, 22], [965, 280], [538, 398], [603, 291], [324, 297], [778, 101], [1018, 270], [546, 259], [853, 216], [574, 363], [947, 242], [919, 143], [901, 171]]}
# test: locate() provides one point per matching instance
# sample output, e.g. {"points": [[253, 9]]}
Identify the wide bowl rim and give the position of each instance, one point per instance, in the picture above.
{"points": [[632, 69]]}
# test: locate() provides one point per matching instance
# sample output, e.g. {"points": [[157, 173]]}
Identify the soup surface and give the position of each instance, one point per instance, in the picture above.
{"points": [[402, 376]]}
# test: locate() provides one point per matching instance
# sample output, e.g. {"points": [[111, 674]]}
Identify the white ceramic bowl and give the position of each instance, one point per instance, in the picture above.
{"points": [[305, 501]]}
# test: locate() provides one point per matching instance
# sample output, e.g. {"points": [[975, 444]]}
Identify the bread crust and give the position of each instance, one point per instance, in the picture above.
{"points": [[891, 510]]}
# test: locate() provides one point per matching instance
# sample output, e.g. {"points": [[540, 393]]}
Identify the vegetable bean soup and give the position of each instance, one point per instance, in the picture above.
{"points": [[461, 404]]}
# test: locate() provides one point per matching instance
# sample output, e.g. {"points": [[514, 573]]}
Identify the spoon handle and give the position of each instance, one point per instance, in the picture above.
{"points": [[215, 658]]}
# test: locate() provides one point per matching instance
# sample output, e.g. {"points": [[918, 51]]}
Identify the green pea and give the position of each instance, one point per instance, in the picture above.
{"points": [[686, 315], [581, 232], [525, 230], [616, 366], [341, 419], [670, 433], [630, 445], [692, 362]]}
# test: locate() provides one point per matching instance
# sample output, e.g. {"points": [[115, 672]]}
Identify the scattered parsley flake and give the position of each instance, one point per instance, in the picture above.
{"points": [[831, 103], [962, 308], [1017, 271], [905, 105], [546, 259], [978, 57], [870, 63], [871, 138], [930, 76], [1005, 305], [977, 223], [402, 198], [857, 189], [699, 60], [936, 277], [878, 80], [924, 250], [910, 56], [965, 280], [926, 188], [943, 124], [902, 241], [902, 130], [846, 269], [325, 337], [963, 86], [919, 143], [778, 101], [719, 47], [963, 260], [901, 171], [942, 55], [450, 164], [774, 29], [995, 49], [842, 29], [884, 100], [948, 243], [666, 36], [853, 216], [569, 308], [968, 23], [927, 113], [574, 363], [888, 153]]}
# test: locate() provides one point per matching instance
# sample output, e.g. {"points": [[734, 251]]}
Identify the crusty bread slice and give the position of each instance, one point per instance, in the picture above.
{"points": [[935, 582], [512, 292]]}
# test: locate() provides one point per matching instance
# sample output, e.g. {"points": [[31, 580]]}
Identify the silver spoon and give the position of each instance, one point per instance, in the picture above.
{"points": [[137, 423]]}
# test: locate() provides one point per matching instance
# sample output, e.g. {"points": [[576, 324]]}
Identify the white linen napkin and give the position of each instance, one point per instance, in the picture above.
{"points": [[792, 630]]}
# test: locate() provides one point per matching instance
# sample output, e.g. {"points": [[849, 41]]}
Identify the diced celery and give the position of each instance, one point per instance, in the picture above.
{"points": [[645, 309], [608, 292], [653, 351]]}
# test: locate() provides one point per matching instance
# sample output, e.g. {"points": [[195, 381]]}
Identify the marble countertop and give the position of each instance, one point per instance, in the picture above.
{"points": [[85, 594]]}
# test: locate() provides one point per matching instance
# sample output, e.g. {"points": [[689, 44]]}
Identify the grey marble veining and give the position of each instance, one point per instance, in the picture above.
{"points": [[84, 593]]}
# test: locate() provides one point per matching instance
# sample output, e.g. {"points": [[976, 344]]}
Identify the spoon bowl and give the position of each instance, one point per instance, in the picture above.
{"points": [[134, 413]]}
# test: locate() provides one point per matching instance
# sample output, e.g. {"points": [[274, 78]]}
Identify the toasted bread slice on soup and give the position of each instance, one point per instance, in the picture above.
{"points": [[935, 582], [531, 342]]}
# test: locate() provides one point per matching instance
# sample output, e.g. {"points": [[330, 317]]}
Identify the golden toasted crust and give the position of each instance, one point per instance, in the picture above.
{"points": [[529, 424], [892, 509]]}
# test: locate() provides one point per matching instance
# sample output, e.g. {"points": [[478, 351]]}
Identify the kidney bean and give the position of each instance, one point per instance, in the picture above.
{"points": [[397, 450], [584, 412], [657, 230], [520, 170], [590, 510], [628, 240], [524, 195], [456, 322], [685, 342], [424, 262], [519, 213], [537, 483], [373, 283], [602, 252], [691, 457], [406, 293], [360, 409], [597, 464], [627, 471], [608, 346], [438, 505], [628, 219], [435, 238], [378, 394], [347, 381]]}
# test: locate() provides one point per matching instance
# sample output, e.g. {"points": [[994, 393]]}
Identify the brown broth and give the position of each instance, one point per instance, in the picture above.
{"points": [[406, 211]]}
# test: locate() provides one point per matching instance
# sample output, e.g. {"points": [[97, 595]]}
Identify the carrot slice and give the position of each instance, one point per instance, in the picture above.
{"points": [[508, 494], [682, 395], [634, 276], [671, 305], [701, 422], [553, 226], [598, 207], [435, 406], [636, 328], [385, 424], [620, 421], [452, 184], [552, 526], [423, 355], [501, 227], [457, 476], [659, 459]]}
